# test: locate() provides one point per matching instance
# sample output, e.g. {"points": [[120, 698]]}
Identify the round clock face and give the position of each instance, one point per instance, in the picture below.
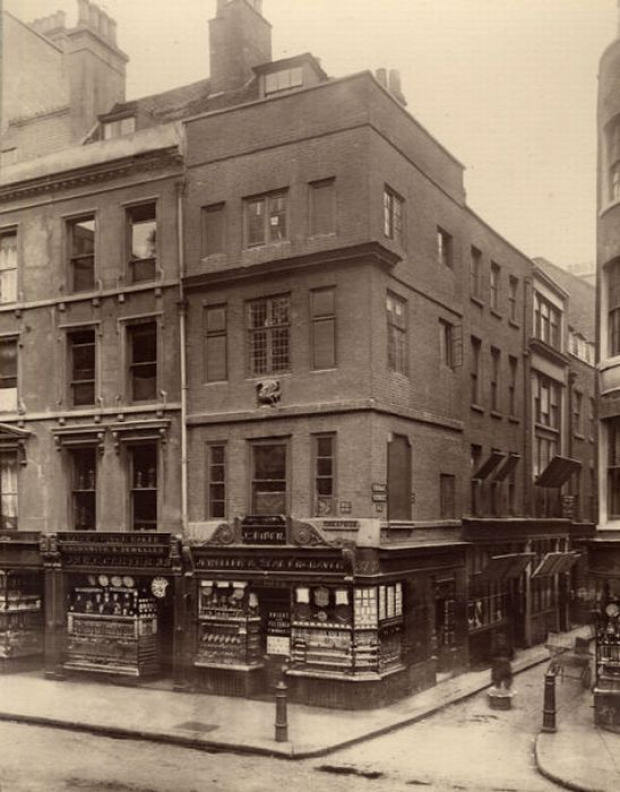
{"points": [[612, 609], [128, 581]]}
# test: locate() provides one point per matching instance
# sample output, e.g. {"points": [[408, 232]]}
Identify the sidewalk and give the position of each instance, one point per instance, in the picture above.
{"points": [[223, 723], [580, 756]]}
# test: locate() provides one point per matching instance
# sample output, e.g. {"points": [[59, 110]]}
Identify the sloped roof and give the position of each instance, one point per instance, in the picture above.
{"points": [[581, 303]]}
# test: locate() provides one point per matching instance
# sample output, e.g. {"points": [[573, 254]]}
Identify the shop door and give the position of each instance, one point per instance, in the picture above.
{"points": [[275, 612], [399, 478]]}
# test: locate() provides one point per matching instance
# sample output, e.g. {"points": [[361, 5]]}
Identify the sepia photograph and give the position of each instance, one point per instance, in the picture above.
{"points": [[309, 395]]}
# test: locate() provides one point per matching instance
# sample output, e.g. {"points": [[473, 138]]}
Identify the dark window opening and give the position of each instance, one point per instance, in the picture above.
{"points": [[215, 343], [269, 478], [143, 361], [82, 353], [84, 489], [322, 304], [81, 234], [324, 478], [144, 487]]}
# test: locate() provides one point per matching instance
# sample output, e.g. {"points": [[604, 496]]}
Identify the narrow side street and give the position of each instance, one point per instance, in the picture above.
{"points": [[464, 747]]}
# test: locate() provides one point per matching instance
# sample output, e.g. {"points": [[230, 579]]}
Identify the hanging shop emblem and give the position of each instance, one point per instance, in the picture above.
{"points": [[158, 587]]}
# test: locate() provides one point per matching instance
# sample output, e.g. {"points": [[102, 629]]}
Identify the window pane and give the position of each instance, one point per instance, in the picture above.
{"points": [[322, 302], [143, 270], [277, 217], [270, 462], [324, 446], [256, 221], [144, 382], [8, 491], [216, 319], [217, 455], [143, 239], [84, 274], [83, 237], [8, 251], [144, 343]]}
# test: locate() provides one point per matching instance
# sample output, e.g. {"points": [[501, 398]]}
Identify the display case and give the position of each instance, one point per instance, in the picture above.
{"points": [[608, 648], [21, 616], [112, 628], [229, 632]]}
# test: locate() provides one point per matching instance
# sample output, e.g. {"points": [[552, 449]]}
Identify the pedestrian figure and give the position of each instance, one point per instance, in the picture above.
{"points": [[501, 669]]}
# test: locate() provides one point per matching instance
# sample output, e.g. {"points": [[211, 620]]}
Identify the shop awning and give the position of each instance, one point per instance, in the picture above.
{"points": [[492, 461], [505, 567], [507, 468], [557, 472], [555, 564]]}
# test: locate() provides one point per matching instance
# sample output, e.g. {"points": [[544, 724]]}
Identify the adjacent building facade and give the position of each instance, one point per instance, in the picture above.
{"points": [[302, 406]]}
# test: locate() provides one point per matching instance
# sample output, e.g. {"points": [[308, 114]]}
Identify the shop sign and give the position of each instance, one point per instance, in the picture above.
{"points": [[270, 564], [267, 530], [278, 622], [278, 645]]}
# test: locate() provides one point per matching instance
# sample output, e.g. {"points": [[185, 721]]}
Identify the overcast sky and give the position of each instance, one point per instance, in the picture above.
{"points": [[508, 86]]}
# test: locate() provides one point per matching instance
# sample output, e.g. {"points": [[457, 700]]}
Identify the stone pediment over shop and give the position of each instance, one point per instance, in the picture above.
{"points": [[271, 530]]}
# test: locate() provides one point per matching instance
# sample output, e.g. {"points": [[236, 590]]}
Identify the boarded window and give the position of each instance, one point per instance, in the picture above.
{"points": [[322, 207], [323, 328], [213, 229], [215, 343]]}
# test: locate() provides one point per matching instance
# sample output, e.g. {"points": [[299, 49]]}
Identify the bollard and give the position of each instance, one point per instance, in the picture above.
{"points": [[281, 721], [549, 703]]}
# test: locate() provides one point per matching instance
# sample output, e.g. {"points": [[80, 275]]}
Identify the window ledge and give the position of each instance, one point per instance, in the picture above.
{"points": [[514, 419], [579, 436], [477, 408], [323, 370], [514, 324], [546, 428], [476, 300], [323, 235], [496, 414], [494, 312]]}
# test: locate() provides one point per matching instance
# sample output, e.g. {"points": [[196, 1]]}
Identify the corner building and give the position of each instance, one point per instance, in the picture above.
{"points": [[311, 427]]}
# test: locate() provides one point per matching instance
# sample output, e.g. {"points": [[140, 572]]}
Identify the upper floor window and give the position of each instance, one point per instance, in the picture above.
{"points": [[494, 382], [143, 361], [393, 215], [118, 128], [476, 345], [323, 308], [547, 321], [82, 354], [447, 491], [8, 490], [8, 266], [444, 247], [613, 467], [84, 488], [284, 79], [396, 315], [8, 374], [613, 157], [577, 412], [216, 481], [446, 343], [513, 289], [613, 291], [213, 229], [269, 335], [494, 286], [322, 207], [215, 343], [143, 489], [324, 474], [266, 219], [546, 401], [475, 265], [513, 364], [81, 238], [142, 233]]}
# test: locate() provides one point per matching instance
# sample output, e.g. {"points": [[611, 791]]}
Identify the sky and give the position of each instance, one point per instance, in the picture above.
{"points": [[508, 86]]}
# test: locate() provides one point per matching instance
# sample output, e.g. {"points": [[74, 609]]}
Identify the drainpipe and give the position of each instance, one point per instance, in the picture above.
{"points": [[182, 344]]}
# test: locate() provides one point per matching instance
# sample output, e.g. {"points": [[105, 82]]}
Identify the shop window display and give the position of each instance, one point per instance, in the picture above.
{"points": [[112, 627], [21, 616]]}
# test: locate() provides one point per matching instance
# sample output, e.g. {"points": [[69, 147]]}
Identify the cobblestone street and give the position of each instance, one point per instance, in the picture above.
{"points": [[464, 747]]}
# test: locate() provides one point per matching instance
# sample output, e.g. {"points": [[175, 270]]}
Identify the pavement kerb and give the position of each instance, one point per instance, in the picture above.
{"points": [[287, 751], [552, 776]]}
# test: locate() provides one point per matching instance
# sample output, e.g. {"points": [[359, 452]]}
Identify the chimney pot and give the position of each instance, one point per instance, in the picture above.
{"points": [[381, 75], [394, 81]]}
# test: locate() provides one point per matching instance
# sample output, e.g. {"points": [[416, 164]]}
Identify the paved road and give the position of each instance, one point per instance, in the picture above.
{"points": [[465, 747]]}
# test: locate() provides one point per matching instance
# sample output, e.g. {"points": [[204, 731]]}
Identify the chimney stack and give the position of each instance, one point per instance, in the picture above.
{"points": [[394, 87], [239, 39], [381, 75]]}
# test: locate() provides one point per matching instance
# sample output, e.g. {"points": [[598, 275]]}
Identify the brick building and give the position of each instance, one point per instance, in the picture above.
{"points": [[279, 331]]}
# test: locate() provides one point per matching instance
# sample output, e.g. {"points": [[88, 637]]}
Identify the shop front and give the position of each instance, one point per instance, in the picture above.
{"points": [[344, 626], [110, 604], [21, 602]]}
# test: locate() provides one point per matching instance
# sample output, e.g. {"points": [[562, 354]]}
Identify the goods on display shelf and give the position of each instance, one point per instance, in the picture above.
{"points": [[112, 628], [228, 625], [608, 647], [21, 615]]}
